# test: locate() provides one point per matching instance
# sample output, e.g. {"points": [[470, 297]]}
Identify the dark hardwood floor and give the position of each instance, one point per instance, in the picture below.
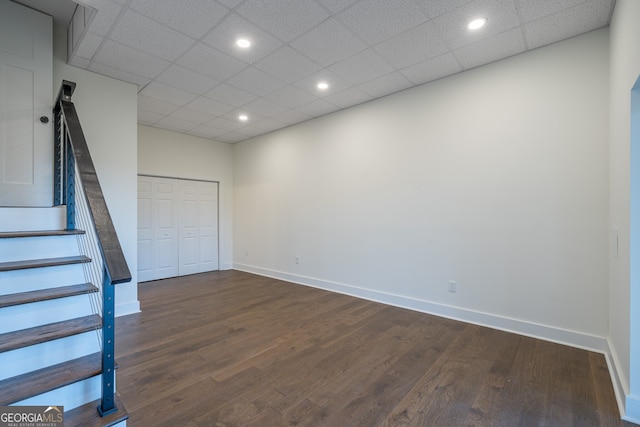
{"points": [[234, 349]]}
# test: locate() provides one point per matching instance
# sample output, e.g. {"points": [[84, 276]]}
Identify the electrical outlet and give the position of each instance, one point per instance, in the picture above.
{"points": [[453, 286], [297, 260], [246, 253]]}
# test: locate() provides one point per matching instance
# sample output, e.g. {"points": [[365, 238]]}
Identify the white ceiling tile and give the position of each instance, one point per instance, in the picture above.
{"points": [[319, 107], [207, 131], [291, 117], [249, 131], [337, 5], [124, 58], [256, 81], [230, 3], [211, 62], [336, 84], [264, 108], [192, 115], [329, 43], [412, 46], [349, 97], [156, 106], [88, 45], [290, 96], [224, 37], [501, 14], [361, 67], [185, 79], [268, 125], [192, 17], [80, 62], [118, 74], [234, 115], [209, 106], [174, 123], [567, 23], [148, 117], [231, 137], [288, 65], [378, 20], [488, 50], [103, 20], [385, 85], [139, 32], [167, 93], [530, 10], [225, 124], [97, 4], [285, 19], [230, 95], [432, 69], [435, 8]]}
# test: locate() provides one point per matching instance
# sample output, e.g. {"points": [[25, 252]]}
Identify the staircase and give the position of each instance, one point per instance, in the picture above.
{"points": [[50, 323], [58, 271]]}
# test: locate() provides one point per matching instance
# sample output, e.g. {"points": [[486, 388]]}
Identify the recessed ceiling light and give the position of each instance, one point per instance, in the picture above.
{"points": [[243, 43], [243, 117], [323, 86], [477, 23]]}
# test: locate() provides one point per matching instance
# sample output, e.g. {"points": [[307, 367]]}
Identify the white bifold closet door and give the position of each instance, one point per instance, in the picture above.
{"points": [[177, 227]]}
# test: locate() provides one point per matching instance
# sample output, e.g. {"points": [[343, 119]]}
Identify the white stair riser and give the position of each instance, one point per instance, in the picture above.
{"points": [[33, 219], [40, 278], [28, 248], [71, 396], [44, 312], [23, 360]]}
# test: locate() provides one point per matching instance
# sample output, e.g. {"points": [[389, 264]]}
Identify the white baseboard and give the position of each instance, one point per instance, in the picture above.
{"points": [[620, 386], [629, 405], [227, 266], [131, 307], [545, 332]]}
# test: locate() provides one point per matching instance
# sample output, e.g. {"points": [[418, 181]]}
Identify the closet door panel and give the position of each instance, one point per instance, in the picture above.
{"points": [[189, 230], [166, 229], [209, 230], [145, 231]]}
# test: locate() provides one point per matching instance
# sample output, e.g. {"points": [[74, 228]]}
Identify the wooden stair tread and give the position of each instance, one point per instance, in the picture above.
{"points": [[39, 334], [38, 233], [23, 386], [46, 262], [46, 294], [87, 415]]}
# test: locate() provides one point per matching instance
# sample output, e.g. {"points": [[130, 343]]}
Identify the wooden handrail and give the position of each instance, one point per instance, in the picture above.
{"points": [[114, 259]]}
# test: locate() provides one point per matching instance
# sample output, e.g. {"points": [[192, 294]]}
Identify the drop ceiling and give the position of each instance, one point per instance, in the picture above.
{"points": [[194, 79]]}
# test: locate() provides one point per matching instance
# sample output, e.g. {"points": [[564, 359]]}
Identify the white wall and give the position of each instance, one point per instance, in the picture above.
{"points": [[625, 69], [496, 178], [107, 109], [176, 155]]}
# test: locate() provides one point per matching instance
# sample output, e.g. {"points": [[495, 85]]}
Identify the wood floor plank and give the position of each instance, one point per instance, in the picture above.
{"points": [[231, 348]]}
